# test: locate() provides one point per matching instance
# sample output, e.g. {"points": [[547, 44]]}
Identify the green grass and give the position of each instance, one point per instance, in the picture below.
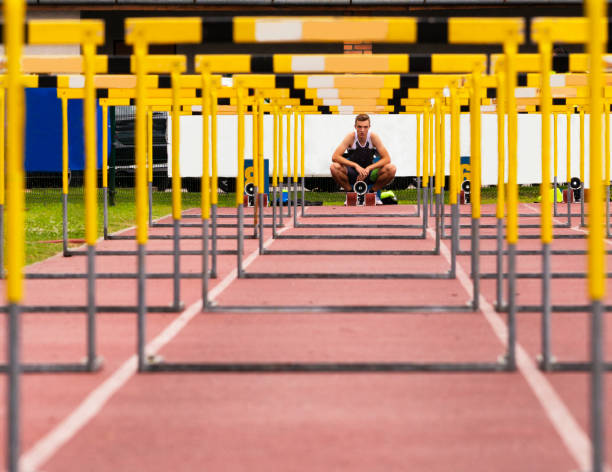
{"points": [[44, 212]]}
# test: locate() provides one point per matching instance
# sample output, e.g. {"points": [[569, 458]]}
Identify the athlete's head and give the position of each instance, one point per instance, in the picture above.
{"points": [[362, 125]]}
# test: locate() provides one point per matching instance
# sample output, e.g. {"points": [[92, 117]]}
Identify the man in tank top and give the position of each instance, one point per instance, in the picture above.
{"points": [[353, 159]]}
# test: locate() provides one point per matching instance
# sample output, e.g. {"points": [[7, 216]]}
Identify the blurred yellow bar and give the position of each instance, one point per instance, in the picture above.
{"points": [[501, 141], [176, 69], [545, 48], [418, 145], [596, 11], [163, 30], [14, 16], [324, 29], [214, 190], [240, 173], [66, 32], [226, 63], [104, 145], [64, 101], [475, 143], [485, 30], [205, 184], [425, 147]]}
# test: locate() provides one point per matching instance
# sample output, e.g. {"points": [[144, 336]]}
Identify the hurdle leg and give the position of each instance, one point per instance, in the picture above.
{"points": [[303, 194], [288, 197], [431, 196], [65, 225], [607, 211], [295, 223], [281, 203], [546, 308], [240, 240], [256, 211], [261, 222], [91, 307], [500, 263], [205, 272], [511, 354], [570, 197], [105, 211], [418, 197], [1, 241], [150, 203], [274, 212], [454, 238], [597, 385], [142, 308], [438, 224], [176, 279], [582, 224], [442, 210], [213, 242], [475, 257], [425, 209], [555, 186], [14, 371]]}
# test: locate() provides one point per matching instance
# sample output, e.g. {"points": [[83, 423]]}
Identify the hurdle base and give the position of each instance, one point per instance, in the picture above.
{"points": [[352, 199], [249, 201]]}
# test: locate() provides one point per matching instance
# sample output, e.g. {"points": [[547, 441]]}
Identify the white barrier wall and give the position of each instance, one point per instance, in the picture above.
{"points": [[398, 133]]}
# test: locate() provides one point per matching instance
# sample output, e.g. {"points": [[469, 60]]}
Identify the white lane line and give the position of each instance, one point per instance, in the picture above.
{"points": [[48, 445], [573, 436]]}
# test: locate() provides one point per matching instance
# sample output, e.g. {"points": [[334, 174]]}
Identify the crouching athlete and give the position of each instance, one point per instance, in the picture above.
{"points": [[353, 159]]}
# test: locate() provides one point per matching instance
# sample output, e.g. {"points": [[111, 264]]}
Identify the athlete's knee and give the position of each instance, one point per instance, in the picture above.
{"points": [[336, 169], [390, 169]]}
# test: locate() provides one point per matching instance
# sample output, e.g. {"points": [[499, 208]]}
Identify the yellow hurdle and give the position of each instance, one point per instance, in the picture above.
{"points": [[582, 138], [275, 146], [418, 145], [607, 145], [475, 144], [177, 68], [295, 147], [205, 146], [240, 174], [545, 49], [260, 144], [150, 151], [214, 192], [501, 140], [2, 156], [288, 147], [140, 32], [280, 152], [454, 145], [438, 144], [596, 10], [302, 145], [432, 130], [568, 147], [14, 14], [88, 34], [510, 49], [426, 147], [555, 148]]}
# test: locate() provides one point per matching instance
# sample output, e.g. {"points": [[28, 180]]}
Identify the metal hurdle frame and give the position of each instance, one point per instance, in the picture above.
{"points": [[88, 34], [461, 30]]}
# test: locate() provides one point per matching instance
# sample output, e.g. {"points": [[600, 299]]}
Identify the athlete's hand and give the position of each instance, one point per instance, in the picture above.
{"points": [[362, 173]]}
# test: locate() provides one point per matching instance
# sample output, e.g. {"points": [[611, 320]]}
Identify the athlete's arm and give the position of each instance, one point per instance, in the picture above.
{"points": [[385, 158]]}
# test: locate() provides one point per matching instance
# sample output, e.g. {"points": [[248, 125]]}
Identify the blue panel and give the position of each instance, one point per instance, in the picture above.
{"points": [[44, 132]]}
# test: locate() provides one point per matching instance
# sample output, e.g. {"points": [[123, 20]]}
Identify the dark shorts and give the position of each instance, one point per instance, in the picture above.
{"points": [[352, 176]]}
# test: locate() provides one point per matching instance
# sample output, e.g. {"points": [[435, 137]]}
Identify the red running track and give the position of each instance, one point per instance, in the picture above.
{"points": [[117, 419]]}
